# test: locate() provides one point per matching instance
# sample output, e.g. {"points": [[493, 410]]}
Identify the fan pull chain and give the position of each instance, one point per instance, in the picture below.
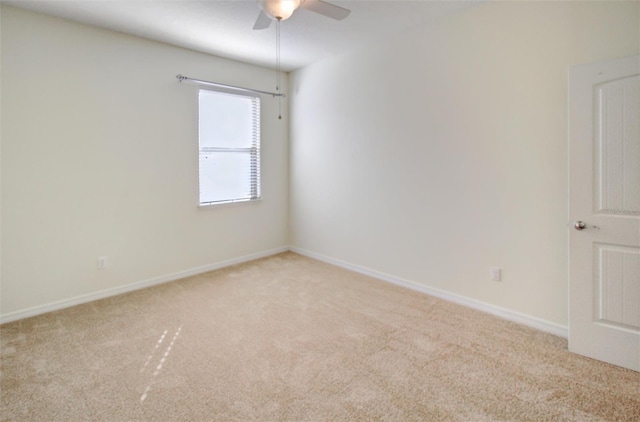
{"points": [[278, 67]]}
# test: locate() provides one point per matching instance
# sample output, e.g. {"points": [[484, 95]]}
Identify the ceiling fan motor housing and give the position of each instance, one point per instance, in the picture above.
{"points": [[279, 9]]}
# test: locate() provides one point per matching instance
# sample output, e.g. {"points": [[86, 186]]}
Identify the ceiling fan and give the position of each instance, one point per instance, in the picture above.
{"points": [[280, 10]]}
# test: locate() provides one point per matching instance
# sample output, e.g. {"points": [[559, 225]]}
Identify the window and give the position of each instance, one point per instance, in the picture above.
{"points": [[229, 144]]}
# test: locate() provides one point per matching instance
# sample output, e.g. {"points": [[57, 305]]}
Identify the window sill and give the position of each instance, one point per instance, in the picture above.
{"points": [[228, 203]]}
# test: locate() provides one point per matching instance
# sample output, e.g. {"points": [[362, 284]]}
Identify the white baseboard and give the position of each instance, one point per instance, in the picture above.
{"points": [[528, 320], [507, 314], [54, 306]]}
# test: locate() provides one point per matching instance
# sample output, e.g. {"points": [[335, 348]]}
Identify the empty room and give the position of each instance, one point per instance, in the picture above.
{"points": [[308, 210]]}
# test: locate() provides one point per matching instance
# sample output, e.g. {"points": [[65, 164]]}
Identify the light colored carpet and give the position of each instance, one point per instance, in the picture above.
{"points": [[290, 338]]}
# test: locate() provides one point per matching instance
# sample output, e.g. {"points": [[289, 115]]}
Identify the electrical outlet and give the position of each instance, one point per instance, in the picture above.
{"points": [[495, 273], [102, 262]]}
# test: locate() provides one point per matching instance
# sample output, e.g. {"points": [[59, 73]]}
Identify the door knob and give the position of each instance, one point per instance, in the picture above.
{"points": [[580, 225]]}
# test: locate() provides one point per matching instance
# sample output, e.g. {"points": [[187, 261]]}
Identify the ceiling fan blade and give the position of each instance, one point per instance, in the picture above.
{"points": [[263, 21], [327, 9]]}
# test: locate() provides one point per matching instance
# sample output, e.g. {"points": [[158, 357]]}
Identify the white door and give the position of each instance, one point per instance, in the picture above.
{"points": [[604, 210]]}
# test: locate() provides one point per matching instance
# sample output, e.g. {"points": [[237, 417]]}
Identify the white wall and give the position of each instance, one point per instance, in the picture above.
{"points": [[443, 151], [99, 158]]}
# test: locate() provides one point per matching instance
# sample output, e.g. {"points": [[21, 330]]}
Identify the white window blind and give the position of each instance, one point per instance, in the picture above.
{"points": [[229, 145]]}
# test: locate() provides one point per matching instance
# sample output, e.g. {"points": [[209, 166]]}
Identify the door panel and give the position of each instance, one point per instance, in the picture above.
{"points": [[616, 148], [618, 270], [604, 193]]}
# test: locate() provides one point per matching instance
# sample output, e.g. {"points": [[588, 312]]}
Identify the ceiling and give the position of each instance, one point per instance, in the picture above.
{"points": [[224, 27]]}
